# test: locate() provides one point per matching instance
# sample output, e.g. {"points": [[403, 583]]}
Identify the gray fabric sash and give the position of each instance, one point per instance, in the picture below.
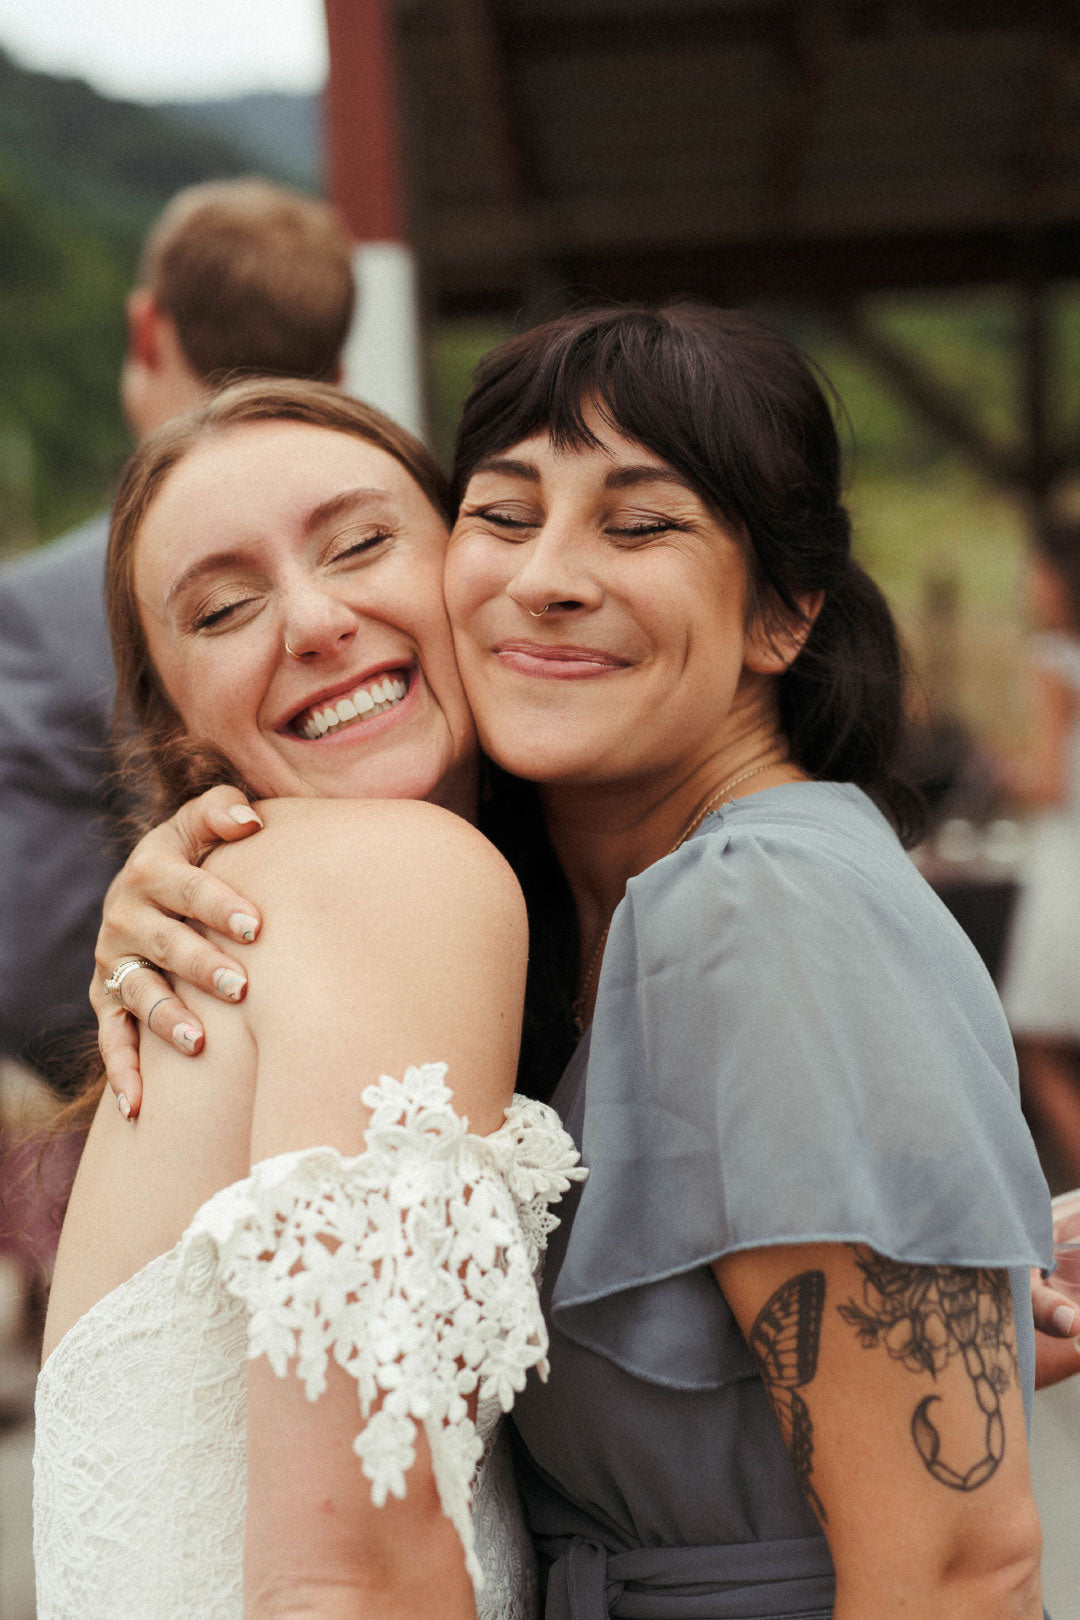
{"points": [[755, 1580]]}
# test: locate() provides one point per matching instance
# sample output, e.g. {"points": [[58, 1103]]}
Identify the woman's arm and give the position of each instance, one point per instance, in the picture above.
{"points": [[897, 1391], [395, 936]]}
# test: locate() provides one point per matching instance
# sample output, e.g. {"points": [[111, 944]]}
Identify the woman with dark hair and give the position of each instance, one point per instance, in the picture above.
{"points": [[791, 1333]]}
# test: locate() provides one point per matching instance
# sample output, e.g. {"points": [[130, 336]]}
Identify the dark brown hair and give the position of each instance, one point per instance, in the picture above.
{"points": [[257, 278], [738, 411]]}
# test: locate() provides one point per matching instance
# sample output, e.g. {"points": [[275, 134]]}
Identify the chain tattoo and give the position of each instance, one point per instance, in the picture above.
{"points": [[924, 1316], [785, 1339]]}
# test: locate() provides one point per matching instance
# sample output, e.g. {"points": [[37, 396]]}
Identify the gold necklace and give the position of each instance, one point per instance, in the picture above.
{"points": [[592, 971]]}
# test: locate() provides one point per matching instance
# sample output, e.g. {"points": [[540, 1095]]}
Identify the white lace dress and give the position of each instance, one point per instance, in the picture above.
{"points": [[413, 1265]]}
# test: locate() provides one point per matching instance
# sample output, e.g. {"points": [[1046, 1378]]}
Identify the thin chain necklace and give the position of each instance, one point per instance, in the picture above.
{"points": [[593, 970]]}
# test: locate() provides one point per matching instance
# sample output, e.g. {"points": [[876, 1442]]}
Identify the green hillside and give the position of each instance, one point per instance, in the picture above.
{"points": [[81, 178]]}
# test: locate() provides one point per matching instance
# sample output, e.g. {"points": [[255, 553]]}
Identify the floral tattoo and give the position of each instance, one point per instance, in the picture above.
{"points": [[924, 1317]]}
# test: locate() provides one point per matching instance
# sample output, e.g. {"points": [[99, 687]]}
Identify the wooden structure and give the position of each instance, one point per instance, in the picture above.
{"points": [[793, 152]]}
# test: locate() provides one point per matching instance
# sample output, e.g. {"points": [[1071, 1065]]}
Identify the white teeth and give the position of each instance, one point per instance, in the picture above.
{"points": [[374, 699]]}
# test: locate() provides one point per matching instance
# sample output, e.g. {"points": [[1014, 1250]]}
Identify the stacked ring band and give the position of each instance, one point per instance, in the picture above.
{"points": [[126, 965]]}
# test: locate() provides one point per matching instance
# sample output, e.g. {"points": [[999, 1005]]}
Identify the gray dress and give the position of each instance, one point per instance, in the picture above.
{"points": [[793, 1042]]}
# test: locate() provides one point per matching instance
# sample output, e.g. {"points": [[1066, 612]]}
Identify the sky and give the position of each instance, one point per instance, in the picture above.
{"points": [[170, 50]]}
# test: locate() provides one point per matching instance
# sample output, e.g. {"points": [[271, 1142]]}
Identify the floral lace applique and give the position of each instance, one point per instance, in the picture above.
{"points": [[412, 1265]]}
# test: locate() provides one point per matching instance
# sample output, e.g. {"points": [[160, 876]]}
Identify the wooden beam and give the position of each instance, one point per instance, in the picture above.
{"points": [[363, 131], [480, 68], [808, 46], [930, 400], [1043, 464]]}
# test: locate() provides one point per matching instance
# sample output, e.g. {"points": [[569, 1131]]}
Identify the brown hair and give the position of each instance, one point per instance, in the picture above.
{"points": [[160, 761], [257, 278], [161, 766]]}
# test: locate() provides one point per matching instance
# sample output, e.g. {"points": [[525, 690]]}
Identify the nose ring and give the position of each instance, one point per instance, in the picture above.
{"points": [[539, 615], [289, 650]]}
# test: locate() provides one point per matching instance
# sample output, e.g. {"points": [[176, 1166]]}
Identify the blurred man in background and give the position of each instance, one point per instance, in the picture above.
{"points": [[237, 277]]}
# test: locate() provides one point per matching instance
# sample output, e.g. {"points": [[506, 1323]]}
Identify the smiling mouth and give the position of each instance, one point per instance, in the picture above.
{"points": [[351, 708], [557, 662]]}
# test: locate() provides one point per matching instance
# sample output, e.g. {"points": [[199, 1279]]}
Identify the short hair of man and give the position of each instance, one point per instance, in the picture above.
{"points": [[256, 278]]}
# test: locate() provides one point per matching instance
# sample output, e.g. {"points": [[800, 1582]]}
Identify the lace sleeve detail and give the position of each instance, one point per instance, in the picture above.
{"points": [[412, 1265]]}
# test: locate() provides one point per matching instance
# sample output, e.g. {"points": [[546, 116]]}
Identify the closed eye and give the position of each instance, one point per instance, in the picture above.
{"points": [[359, 547], [219, 616], [501, 518], [647, 529]]}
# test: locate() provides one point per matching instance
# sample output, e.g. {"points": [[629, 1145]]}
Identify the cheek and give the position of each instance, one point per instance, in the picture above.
{"points": [[205, 695], [472, 577]]}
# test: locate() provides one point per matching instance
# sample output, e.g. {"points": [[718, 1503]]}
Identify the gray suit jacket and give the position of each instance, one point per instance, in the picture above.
{"points": [[57, 804]]}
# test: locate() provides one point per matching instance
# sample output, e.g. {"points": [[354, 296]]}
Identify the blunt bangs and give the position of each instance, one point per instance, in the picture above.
{"points": [[712, 392]]}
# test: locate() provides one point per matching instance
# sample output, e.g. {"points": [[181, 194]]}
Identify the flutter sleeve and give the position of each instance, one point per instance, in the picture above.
{"points": [[792, 1043], [412, 1266]]}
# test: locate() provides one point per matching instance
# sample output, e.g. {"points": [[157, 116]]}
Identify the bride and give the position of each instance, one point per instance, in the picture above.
{"points": [[291, 1302]]}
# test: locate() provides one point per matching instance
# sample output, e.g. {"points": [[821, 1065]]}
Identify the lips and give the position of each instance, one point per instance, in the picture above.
{"points": [[565, 662], [350, 704]]}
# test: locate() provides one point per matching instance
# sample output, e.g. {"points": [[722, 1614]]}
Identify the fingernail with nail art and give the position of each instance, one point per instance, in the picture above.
{"points": [[187, 1036], [229, 984], [123, 1105], [243, 926], [1064, 1319]]}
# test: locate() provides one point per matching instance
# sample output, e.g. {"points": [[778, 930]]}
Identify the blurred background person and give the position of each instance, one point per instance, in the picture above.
{"points": [[1041, 986], [238, 277]]}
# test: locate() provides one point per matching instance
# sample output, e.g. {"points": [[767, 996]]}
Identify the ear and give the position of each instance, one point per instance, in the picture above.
{"points": [[143, 320], [771, 648]]}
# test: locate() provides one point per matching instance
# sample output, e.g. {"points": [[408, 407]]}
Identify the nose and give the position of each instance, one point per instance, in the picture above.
{"points": [[317, 623], [552, 574]]}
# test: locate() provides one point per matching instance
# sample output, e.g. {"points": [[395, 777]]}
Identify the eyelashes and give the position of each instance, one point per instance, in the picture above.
{"points": [[644, 529], [218, 615]]}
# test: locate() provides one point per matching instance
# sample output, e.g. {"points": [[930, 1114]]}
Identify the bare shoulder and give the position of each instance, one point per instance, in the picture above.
{"points": [[393, 934], [381, 852]]}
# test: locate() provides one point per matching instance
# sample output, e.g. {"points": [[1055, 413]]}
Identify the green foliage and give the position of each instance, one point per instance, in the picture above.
{"points": [[62, 289], [81, 179], [453, 353]]}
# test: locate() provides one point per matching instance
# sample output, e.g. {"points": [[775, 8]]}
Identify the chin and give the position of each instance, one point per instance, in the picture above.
{"points": [[538, 763]]}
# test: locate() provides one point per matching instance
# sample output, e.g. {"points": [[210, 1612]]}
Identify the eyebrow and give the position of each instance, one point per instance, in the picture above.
{"points": [[339, 505], [646, 473], [318, 518], [631, 477], [510, 465]]}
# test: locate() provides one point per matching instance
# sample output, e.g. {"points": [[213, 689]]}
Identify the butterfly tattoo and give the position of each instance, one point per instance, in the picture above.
{"points": [[785, 1338]]}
